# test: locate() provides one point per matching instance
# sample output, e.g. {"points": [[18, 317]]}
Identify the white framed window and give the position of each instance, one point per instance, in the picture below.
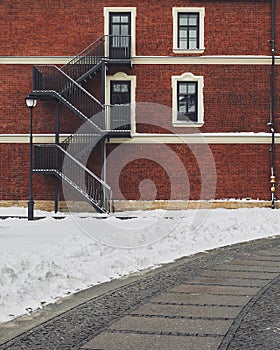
{"points": [[188, 29], [187, 100], [117, 88], [115, 19]]}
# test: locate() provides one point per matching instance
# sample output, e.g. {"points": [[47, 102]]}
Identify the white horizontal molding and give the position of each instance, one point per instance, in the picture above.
{"points": [[25, 138], [198, 138], [233, 60], [228, 60], [209, 138], [34, 59]]}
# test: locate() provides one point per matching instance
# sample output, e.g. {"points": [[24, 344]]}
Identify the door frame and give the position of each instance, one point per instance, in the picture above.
{"points": [[119, 50], [119, 77], [132, 11]]}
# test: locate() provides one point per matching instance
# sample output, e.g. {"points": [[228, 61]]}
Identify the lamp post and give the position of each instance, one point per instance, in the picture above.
{"points": [[30, 103]]}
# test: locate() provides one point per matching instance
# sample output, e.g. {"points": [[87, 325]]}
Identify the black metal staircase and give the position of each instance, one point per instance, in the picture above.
{"points": [[88, 61], [64, 85], [55, 160]]}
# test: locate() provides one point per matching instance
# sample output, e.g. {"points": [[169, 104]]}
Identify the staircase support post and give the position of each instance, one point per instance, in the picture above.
{"points": [[103, 95], [103, 160], [57, 122], [103, 67], [56, 198], [103, 170], [57, 181]]}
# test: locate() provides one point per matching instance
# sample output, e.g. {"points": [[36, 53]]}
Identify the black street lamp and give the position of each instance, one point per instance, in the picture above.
{"points": [[30, 103]]}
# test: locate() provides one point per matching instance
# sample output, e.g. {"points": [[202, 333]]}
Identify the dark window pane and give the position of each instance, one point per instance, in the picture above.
{"points": [[188, 30], [193, 33], [183, 19], [117, 88], [124, 18], [183, 44], [183, 88], [115, 18], [124, 30], [193, 20], [191, 88], [187, 101]]}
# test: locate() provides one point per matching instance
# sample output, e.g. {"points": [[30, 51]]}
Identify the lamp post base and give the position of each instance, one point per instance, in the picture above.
{"points": [[30, 209]]}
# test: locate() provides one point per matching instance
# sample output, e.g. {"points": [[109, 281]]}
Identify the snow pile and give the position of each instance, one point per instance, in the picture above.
{"points": [[43, 260]]}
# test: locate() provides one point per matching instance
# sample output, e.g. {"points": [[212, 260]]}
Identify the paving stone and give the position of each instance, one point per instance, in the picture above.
{"points": [[239, 274], [270, 252], [230, 281], [188, 310], [259, 264], [259, 327], [251, 265], [203, 299], [123, 341], [216, 290], [264, 257], [158, 325]]}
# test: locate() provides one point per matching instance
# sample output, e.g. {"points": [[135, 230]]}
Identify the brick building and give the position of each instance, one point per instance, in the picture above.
{"points": [[170, 101]]}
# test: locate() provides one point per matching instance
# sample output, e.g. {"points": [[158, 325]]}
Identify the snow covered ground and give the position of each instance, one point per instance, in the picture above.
{"points": [[43, 260]]}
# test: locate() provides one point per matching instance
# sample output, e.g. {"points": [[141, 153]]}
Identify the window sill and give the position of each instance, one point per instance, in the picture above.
{"points": [[187, 125], [190, 51]]}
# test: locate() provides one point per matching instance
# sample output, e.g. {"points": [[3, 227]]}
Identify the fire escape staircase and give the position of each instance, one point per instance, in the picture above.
{"points": [[64, 85]]}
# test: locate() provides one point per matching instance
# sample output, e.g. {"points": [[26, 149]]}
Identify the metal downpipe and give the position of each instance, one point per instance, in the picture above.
{"points": [[272, 106]]}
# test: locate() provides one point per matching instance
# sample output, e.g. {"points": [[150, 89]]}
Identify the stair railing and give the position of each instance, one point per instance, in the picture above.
{"points": [[118, 47], [115, 47], [80, 145], [54, 159], [49, 79], [85, 60], [118, 117]]}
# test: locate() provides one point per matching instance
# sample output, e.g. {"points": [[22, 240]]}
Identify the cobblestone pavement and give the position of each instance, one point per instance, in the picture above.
{"points": [[228, 298]]}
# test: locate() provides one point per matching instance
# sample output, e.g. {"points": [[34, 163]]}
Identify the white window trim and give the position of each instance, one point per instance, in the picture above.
{"points": [[123, 76], [187, 77], [201, 11], [132, 10]]}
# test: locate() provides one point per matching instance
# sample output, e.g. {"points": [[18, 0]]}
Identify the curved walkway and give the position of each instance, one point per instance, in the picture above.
{"points": [[228, 298]]}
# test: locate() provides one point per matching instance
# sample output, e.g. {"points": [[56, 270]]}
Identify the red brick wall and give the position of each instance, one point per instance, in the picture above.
{"points": [[14, 175], [54, 28], [242, 171], [16, 85], [236, 98]]}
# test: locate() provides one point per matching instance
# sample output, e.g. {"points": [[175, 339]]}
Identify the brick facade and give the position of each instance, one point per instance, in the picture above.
{"points": [[63, 28], [236, 96]]}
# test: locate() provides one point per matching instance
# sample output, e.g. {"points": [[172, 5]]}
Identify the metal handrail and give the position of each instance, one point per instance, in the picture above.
{"points": [[79, 145], [69, 79], [103, 118], [51, 78], [118, 117], [89, 48], [53, 158], [89, 58]]}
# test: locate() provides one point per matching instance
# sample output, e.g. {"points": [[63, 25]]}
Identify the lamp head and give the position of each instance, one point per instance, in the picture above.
{"points": [[30, 102]]}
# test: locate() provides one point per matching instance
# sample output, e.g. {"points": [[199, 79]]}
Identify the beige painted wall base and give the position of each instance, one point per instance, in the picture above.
{"points": [[38, 205], [183, 205], [147, 205]]}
